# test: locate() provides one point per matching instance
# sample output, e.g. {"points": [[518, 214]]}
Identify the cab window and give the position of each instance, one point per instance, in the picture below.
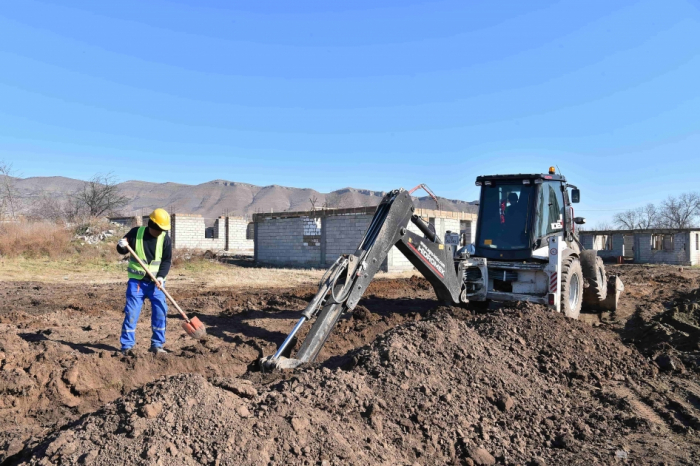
{"points": [[550, 209]]}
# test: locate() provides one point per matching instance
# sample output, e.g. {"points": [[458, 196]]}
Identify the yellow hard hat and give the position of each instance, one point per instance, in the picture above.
{"points": [[161, 218]]}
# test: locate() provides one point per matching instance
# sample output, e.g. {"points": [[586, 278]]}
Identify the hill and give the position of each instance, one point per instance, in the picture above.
{"points": [[220, 197]]}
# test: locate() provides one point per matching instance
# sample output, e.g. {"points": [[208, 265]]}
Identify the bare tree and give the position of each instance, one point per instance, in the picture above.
{"points": [[313, 200], [99, 196], [627, 220], [639, 218], [649, 216], [682, 211], [9, 196], [49, 207]]}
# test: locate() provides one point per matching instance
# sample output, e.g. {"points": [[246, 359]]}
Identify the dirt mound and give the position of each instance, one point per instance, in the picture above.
{"points": [[515, 387], [58, 343], [671, 337], [46, 383]]}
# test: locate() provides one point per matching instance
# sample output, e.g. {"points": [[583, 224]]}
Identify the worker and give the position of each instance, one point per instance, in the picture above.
{"points": [[154, 247]]}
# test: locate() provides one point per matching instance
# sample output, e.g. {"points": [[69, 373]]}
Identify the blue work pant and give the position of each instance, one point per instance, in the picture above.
{"points": [[136, 292]]}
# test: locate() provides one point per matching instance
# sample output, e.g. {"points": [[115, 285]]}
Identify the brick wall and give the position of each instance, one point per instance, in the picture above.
{"points": [[188, 231]]}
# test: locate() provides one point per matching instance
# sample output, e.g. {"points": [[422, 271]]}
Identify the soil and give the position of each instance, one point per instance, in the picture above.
{"points": [[401, 380]]}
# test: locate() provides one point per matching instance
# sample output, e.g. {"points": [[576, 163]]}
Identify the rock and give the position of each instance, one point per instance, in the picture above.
{"points": [[150, 452], [172, 449], [299, 424], [505, 403], [537, 461], [89, 458], [152, 410], [564, 441], [242, 388], [481, 457], [71, 376], [243, 411], [68, 449], [669, 363], [621, 454]]}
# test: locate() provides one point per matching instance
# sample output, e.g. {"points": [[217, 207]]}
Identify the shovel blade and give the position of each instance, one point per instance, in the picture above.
{"points": [[195, 328]]}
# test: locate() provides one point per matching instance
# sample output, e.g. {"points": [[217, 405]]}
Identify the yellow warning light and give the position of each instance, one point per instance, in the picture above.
{"points": [[552, 171]]}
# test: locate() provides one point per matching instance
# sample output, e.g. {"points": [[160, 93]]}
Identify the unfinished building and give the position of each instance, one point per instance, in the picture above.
{"points": [[318, 238], [189, 231], [655, 246]]}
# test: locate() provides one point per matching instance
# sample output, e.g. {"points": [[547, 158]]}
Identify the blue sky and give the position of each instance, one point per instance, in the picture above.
{"points": [[370, 94]]}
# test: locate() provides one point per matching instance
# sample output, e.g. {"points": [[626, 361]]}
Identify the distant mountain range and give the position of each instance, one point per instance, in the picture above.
{"points": [[220, 197]]}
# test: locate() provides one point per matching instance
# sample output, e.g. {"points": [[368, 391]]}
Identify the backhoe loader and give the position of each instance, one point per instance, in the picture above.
{"points": [[526, 249]]}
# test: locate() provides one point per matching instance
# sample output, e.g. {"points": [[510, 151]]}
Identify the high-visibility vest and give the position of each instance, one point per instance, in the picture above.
{"points": [[135, 270]]}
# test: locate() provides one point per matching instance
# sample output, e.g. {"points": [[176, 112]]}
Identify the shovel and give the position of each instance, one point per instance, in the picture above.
{"points": [[194, 327]]}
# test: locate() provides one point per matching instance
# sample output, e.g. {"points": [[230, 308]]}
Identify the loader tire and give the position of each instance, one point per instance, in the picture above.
{"points": [[594, 272], [571, 287]]}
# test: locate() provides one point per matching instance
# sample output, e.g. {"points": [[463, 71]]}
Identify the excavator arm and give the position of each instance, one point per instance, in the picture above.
{"points": [[346, 280]]}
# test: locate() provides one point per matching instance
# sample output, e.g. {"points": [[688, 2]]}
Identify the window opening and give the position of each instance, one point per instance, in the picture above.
{"points": [[668, 242]]}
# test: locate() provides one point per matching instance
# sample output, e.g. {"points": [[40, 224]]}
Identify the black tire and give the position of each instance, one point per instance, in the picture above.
{"points": [[594, 272], [571, 287]]}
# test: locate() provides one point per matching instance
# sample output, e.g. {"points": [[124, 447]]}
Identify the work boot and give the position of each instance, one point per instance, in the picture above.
{"points": [[158, 351], [127, 352]]}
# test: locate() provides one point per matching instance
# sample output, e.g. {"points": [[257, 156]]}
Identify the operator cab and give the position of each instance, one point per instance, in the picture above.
{"points": [[517, 213]]}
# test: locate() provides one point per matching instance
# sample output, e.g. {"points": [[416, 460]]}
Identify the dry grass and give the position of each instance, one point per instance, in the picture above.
{"points": [[46, 252], [34, 239], [196, 270]]}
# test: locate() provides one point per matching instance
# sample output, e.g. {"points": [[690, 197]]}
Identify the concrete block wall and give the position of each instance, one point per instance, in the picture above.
{"points": [[618, 248], [587, 240], [290, 238], [342, 234], [279, 241], [598, 243], [395, 260], [680, 255], [238, 234], [188, 232], [638, 244]]}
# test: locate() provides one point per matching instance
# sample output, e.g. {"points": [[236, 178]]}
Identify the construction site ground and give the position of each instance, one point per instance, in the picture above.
{"points": [[402, 380]]}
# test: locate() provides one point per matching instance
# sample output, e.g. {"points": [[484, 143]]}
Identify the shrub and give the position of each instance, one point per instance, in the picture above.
{"points": [[34, 239]]}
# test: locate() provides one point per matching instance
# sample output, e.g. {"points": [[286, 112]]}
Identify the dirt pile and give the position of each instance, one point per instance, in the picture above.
{"points": [[672, 337], [46, 383], [520, 386], [58, 343]]}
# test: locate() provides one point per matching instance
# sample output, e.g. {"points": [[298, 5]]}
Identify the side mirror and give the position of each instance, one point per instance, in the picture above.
{"points": [[575, 196], [579, 220]]}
